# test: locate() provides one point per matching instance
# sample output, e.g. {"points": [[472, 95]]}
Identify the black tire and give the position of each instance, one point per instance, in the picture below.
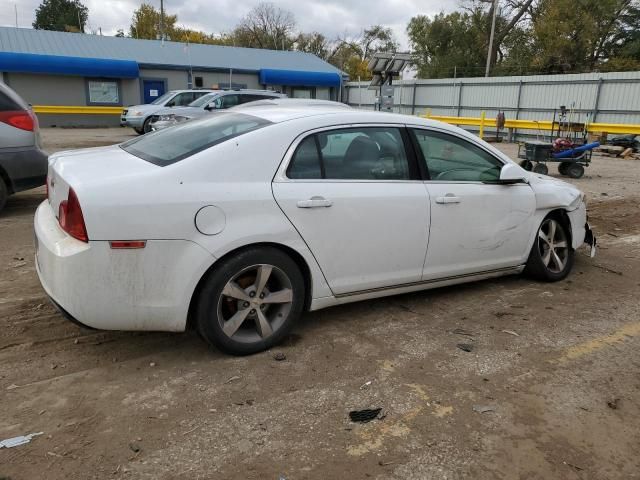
{"points": [[213, 305], [541, 168], [146, 126], [139, 131], [546, 268], [527, 165], [562, 167], [575, 170], [4, 194]]}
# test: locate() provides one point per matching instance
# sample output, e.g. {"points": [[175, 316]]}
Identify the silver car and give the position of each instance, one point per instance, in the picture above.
{"points": [[138, 117], [23, 164], [217, 100]]}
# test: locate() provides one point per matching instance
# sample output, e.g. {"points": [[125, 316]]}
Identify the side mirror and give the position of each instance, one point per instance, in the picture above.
{"points": [[210, 106], [512, 173]]}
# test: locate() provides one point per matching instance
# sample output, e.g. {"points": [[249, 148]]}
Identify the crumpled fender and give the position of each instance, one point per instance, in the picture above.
{"points": [[553, 193]]}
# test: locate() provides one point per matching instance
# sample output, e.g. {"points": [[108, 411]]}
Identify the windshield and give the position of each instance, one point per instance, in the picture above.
{"points": [[171, 145], [204, 100], [163, 98]]}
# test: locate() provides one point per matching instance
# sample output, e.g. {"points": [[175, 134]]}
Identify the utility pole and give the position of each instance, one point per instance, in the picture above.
{"points": [[162, 20], [493, 31]]}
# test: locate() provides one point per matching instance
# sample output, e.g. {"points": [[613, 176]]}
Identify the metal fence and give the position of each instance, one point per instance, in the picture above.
{"points": [[592, 97]]}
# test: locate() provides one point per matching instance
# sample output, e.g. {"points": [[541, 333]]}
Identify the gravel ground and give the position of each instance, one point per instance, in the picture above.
{"points": [[554, 369]]}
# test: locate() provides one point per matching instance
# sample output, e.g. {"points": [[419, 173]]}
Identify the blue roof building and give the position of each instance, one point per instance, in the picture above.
{"points": [[67, 69]]}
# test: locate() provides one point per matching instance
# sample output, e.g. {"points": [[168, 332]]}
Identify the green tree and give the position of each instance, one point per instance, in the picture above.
{"points": [[61, 15], [448, 44], [585, 35], [145, 23]]}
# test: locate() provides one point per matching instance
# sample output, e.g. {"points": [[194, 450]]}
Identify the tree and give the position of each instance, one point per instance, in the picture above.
{"points": [[145, 23], [315, 43], [448, 44], [61, 15], [120, 33], [266, 26], [509, 15], [585, 35]]}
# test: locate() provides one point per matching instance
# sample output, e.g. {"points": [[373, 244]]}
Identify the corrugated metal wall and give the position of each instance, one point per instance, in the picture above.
{"points": [[593, 97]]}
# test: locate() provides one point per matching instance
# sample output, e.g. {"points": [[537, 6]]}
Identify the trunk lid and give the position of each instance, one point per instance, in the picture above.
{"points": [[82, 169]]}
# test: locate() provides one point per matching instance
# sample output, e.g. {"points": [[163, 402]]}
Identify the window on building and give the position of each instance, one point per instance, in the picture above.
{"points": [[199, 82], [103, 92]]}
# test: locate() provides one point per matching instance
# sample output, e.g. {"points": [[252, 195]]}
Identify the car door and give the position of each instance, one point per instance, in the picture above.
{"points": [[355, 197], [477, 224]]}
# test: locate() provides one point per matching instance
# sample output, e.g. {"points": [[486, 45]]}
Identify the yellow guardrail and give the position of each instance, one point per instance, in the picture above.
{"points": [[77, 110], [483, 122]]}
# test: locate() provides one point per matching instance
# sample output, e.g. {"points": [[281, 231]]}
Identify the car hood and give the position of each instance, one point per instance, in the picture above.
{"points": [[553, 193], [183, 111]]}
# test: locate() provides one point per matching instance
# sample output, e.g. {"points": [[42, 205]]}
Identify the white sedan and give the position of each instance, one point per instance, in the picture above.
{"points": [[239, 222]]}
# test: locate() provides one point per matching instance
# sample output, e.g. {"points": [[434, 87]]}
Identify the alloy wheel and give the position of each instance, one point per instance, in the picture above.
{"points": [[553, 245], [255, 303]]}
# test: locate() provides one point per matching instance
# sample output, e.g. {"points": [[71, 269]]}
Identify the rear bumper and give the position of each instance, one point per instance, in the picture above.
{"points": [[146, 289], [26, 168]]}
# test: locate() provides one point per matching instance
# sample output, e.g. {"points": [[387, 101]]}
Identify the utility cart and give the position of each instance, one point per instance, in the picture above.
{"points": [[569, 148]]}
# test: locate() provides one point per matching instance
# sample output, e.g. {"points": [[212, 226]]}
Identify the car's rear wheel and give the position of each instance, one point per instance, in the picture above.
{"points": [[551, 257], [250, 301], [4, 194]]}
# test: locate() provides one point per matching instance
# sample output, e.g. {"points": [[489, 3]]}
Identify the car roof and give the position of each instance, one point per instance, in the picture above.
{"points": [[292, 102], [337, 114]]}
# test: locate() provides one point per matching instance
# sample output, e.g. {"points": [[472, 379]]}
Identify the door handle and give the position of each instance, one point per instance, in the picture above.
{"points": [[448, 198], [315, 202]]}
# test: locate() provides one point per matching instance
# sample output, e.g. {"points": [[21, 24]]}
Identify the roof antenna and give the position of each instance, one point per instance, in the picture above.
{"points": [[15, 5]]}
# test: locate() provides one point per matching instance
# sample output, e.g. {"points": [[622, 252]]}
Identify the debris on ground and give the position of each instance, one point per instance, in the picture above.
{"points": [[17, 441], [134, 447], [232, 379], [152, 364], [575, 467], [364, 416], [462, 331], [466, 347], [613, 404], [366, 384], [483, 408], [511, 332], [279, 356]]}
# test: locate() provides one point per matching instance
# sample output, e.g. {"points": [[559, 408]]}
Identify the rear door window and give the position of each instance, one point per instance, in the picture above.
{"points": [[171, 145], [368, 153]]}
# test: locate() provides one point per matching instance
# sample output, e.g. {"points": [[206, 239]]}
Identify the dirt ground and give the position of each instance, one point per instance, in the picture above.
{"points": [[550, 390]]}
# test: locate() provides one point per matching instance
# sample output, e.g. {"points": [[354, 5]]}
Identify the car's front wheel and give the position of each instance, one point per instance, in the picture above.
{"points": [[250, 301], [551, 257]]}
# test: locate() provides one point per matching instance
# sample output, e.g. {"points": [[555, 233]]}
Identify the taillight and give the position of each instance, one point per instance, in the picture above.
{"points": [[70, 217], [22, 119]]}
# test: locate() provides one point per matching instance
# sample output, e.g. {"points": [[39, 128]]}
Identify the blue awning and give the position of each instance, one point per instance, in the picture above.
{"points": [[62, 65], [298, 78]]}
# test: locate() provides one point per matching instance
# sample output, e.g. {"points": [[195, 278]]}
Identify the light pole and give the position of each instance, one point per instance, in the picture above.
{"points": [[493, 31]]}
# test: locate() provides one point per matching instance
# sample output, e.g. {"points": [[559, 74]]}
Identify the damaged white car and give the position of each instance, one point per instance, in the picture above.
{"points": [[239, 222]]}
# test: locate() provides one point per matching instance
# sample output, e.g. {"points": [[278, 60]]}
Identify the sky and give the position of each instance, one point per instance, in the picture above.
{"points": [[330, 17]]}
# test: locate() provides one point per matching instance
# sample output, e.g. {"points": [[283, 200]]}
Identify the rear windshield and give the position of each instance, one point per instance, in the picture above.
{"points": [[171, 145]]}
